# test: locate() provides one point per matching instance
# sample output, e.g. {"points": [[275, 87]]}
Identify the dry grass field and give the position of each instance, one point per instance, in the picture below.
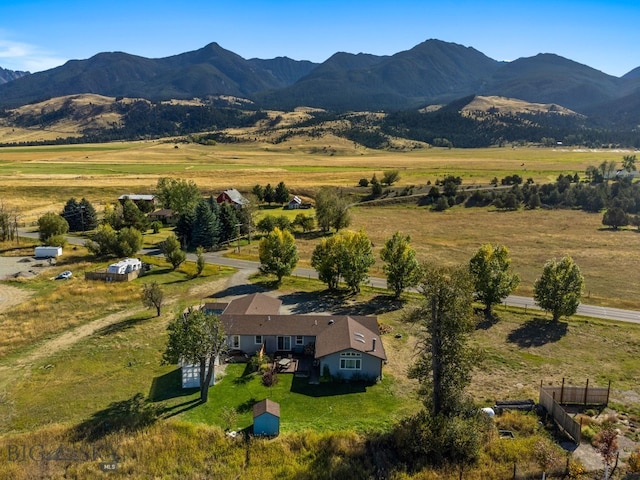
{"points": [[34, 180]]}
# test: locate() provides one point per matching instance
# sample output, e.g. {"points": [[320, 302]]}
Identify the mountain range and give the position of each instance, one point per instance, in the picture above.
{"points": [[433, 72]]}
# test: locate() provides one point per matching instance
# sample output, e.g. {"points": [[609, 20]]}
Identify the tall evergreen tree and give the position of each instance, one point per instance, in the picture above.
{"points": [[445, 319], [206, 227], [269, 194], [281, 194], [81, 216], [228, 223]]}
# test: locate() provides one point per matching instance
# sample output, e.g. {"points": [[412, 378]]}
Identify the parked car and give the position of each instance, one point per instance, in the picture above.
{"points": [[66, 275]]}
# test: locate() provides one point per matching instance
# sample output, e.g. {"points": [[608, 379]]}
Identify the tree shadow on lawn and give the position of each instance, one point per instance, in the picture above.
{"points": [[123, 416], [302, 386], [484, 322], [537, 332], [240, 290], [169, 386], [339, 303], [122, 326]]}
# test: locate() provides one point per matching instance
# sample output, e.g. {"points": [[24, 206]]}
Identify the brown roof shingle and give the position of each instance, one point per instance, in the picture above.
{"points": [[266, 406]]}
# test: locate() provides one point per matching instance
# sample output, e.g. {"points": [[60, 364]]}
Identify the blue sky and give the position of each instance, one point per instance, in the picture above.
{"points": [[41, 34]]}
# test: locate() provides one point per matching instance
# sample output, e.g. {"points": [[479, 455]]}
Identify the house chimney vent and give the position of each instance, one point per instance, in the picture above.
{"points": [[331, 322], [374, 345]]}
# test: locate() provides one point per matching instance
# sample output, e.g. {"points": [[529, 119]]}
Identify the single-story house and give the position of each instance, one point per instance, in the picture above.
{"points": [[294, 203], [344, 345], [164, 215], [266, 418], [232, 196]]}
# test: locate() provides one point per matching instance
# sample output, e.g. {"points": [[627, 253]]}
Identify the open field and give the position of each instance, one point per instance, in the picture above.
{"points": [[34, 180]]}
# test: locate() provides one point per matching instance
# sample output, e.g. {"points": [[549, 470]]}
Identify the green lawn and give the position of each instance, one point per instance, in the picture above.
{"points": [[328, 406]]}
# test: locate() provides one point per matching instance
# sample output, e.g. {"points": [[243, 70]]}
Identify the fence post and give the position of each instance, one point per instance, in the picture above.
{"points": [[608, 390], [514, 470], [562, 392], [586, 394]]}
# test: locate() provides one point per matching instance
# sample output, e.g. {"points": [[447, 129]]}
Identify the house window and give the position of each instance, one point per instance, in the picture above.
{"points": [[299, 340], [258, 340], [350, 361], [235, 341], [284, 343]]}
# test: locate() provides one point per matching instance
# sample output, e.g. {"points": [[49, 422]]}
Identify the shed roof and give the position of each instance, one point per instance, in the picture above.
{"points": [[266, 406]]}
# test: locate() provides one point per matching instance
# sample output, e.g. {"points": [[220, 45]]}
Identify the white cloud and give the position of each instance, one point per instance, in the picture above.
{"points": [[26, 57]]}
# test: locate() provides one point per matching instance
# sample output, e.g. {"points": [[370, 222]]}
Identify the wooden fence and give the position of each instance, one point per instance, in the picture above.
{"points": [[562, 418], [571, 395], [104, 275], [553, 398]]}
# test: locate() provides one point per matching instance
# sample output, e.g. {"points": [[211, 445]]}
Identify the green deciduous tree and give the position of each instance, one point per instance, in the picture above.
{"points": [[356, 257], [153, 296], [390, 177], [615, 217], [177, 194], [325, 260], [132, 216], [172, 251], [332, 210], [347, 255], [51, 224], [106, 242], [559, 288], [401, 266], [196, 338], [278, 253], [493, 280], [129, 242], [305, 222]]}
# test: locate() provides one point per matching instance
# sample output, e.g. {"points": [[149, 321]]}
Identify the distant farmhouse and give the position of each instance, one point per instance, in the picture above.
{"points": [[146, 203], [234, 197], [347, 346]]}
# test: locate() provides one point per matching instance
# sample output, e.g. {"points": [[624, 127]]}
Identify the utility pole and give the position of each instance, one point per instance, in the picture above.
{"points": [[238, 225]]}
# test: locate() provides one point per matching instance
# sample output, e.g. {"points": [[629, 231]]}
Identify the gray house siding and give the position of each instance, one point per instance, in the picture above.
{"points": [[370, 366], [247, 343]]}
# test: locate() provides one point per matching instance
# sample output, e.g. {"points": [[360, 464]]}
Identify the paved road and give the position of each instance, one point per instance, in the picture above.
{"points": [[630, 316]]}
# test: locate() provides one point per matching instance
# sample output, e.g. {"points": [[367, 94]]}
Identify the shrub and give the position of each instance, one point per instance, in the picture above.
{"points": [[633, 463], [588, 433], [270, 377], [523, 423]]}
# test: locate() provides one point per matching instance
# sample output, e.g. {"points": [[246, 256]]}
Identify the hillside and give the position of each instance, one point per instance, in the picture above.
{"points": [[432, 72], [474, 121]]}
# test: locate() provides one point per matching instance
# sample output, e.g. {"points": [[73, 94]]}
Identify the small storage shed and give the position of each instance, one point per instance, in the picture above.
{"points": [[47, 252], [266, 418]]}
